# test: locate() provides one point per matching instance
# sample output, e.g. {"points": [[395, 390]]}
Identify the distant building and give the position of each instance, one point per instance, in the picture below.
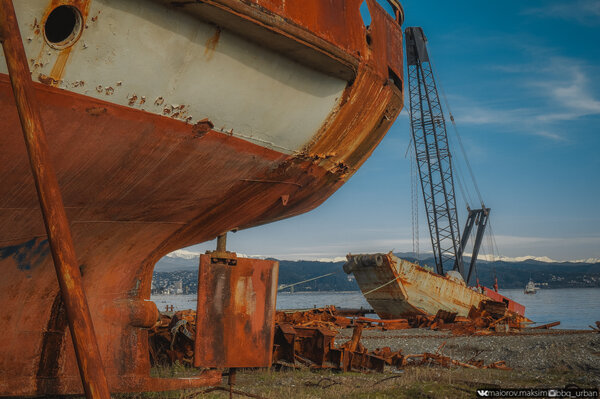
{"points": [[178, 287]]}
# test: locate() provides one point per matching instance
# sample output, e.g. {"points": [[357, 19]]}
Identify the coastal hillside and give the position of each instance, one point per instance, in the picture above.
{"points": [[180, 274]]}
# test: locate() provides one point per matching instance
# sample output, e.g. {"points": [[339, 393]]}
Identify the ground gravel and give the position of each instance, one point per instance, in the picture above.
{"points": [[571, 351]]}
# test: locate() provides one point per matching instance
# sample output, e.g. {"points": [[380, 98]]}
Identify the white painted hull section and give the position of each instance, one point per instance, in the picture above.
{"points": [[144, 55]]}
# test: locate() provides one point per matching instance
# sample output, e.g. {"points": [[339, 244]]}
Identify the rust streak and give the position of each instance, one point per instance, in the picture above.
{"points": [[211, 44], [58, 70]]}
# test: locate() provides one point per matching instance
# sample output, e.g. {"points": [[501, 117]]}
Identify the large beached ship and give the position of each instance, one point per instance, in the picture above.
{"points": [[170, 123], [397, 288]]}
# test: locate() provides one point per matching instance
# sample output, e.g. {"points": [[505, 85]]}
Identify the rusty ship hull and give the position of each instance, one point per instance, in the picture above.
{"points": [[169, 123], [397, 288]]}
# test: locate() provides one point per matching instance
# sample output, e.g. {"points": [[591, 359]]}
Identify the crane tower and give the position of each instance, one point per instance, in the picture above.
{"points": [[434, 162]]}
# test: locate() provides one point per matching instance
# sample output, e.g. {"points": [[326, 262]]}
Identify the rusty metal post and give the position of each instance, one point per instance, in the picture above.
{"points": [[222, 243], [55, 218], [231, 380]]}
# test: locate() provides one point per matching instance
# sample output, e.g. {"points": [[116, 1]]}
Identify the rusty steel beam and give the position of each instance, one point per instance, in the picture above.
{"points": [[222, 243], [55, 218]]}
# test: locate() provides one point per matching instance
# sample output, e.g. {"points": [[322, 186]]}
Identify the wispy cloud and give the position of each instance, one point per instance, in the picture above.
{"points": [[571, 94], [549, 135], [556, 89], [520, 120], [585, 12]]}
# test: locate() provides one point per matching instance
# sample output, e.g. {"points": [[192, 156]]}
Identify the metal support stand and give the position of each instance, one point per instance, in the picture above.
{"points": [[231, 382], [55, 219], [222, 243], [221, 255]]}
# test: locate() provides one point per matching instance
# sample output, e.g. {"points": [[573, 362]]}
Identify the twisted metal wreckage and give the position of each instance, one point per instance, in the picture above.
{"points": [[307, 338]]}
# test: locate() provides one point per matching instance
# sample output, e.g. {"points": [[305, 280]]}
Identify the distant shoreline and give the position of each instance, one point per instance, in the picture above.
{"points": [[359, 292]]}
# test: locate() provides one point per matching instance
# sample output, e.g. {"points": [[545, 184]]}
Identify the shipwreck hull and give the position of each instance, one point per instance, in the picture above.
{"points": [[397, 288], [168, 124]]}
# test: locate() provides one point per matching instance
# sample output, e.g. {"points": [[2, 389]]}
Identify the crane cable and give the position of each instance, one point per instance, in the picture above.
{"points": [[414, 202], [465, 194], [456, 166], [494, 245], [283, 287], [462, 148]]}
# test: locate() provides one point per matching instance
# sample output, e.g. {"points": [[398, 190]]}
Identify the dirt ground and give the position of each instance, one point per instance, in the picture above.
{"points": [[538, 351], [541, 359]]}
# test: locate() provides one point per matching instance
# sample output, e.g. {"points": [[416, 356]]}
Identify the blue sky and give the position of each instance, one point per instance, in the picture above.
{"points": [[521, 79]]}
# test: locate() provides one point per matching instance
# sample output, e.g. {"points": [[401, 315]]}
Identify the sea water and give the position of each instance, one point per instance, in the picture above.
{"points": [[575, 308]]}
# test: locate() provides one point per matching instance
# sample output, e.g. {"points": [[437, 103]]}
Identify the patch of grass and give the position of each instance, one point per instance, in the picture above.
{"points": [[415, 382]]}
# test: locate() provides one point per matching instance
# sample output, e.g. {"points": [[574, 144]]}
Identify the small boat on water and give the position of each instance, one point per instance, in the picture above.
{"points": [[531, 288]]}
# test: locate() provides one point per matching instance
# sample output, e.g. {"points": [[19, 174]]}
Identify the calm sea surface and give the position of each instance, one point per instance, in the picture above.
{"points": [[574, 307]]}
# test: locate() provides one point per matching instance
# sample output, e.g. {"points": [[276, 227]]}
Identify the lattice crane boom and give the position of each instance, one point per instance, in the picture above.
{"points": [[434, 161]]}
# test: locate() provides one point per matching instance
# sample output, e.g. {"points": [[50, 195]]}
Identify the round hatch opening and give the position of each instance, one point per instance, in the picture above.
{"points": [[63, 26]]}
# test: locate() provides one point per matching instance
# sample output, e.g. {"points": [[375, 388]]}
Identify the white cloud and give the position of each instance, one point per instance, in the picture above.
{"points": [[586, 12], [549, 135], [558, 89], [569, 88]]}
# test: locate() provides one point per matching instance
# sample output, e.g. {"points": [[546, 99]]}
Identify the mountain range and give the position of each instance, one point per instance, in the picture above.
{"points": [[510, 272]]}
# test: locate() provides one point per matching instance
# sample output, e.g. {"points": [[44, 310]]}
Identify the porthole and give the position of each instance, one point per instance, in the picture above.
{"points": [[63, 27]]}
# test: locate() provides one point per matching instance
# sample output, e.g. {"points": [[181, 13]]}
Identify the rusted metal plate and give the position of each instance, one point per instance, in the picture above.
{"points": [[386, 43], [236, 313], [336, 21], [512, 305]]}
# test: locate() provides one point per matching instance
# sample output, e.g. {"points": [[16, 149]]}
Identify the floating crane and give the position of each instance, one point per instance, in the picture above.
{"points": [[434, 162]]}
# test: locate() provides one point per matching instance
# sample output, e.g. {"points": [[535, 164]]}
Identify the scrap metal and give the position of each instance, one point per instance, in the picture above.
{"points": [[487, 317], [172, 339], [297, 345], [546, 326], [326, 316]]}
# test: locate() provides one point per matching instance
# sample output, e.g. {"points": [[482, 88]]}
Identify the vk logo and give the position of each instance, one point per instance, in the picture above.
{"points": [[482, 393]]}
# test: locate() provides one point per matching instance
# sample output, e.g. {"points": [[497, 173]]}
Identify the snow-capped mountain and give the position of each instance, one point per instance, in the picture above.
{"points": [[190, 255]]}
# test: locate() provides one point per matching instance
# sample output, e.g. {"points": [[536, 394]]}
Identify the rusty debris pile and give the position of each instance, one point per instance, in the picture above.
{"points": [[307, 338], [489, 317], [315, 348], [172, 338]]}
